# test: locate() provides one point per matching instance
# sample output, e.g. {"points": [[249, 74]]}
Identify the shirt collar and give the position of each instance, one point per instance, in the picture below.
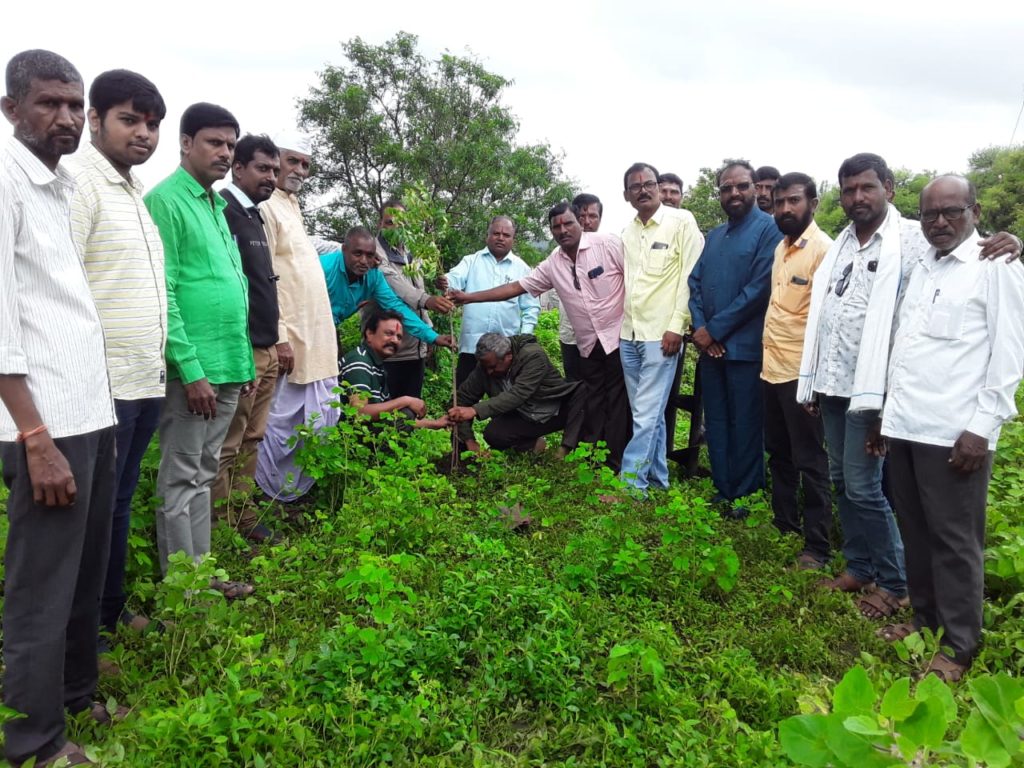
{"points": [[806, 236], [366, 350], [92, 155], [656, 217], [508, 256], [585, 242], [193, 187], [239, 195], [34, 168], [968, 250]]}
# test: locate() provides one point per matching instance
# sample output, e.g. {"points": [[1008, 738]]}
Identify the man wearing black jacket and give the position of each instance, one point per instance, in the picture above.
{"points": [[253, 180]]}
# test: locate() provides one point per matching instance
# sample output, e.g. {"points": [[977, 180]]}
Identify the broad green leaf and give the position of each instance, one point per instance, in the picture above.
{"points": [[931, 687], [995, 697], [855, 695], [980, 742], [927, 725], [896, 703], [803, 740], [865, 725], [854, 750]]}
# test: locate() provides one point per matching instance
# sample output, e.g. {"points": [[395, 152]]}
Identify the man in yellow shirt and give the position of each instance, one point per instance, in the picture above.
{"points": [[795, 439], [661, 246]]}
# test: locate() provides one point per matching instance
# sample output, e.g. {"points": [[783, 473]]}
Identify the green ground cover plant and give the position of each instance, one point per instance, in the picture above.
{"points": [[401, 621]]}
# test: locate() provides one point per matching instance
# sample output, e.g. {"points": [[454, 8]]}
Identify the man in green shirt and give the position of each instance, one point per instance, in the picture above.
{"points": [[209, 357]]}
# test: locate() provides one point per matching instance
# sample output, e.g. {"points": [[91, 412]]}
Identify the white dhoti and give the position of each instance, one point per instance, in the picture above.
{"points": [[277, 474]]}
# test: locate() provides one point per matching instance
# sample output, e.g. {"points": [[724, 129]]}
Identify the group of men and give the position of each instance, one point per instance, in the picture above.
{"points": [[898, 334], [210, 316]]}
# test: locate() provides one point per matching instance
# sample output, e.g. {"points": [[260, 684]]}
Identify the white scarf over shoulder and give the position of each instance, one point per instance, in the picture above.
{"points": [[873, 359]]}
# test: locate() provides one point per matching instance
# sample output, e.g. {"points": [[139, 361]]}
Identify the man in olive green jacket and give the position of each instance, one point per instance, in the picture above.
{"points": [[526, 397]]}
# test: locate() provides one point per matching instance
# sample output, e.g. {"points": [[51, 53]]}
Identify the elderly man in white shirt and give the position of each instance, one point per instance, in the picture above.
{"points": [[56, 421], [956, 363]]}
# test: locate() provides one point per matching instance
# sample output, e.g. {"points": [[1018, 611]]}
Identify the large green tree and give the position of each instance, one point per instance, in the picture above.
{"points": [[390, 118], [998, 173]]}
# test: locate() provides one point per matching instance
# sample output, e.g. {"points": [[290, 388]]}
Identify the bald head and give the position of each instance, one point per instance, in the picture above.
{"points": [[949, 212]]}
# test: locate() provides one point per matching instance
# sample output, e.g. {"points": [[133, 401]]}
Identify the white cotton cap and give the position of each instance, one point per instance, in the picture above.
{"points": [[296, 141]]}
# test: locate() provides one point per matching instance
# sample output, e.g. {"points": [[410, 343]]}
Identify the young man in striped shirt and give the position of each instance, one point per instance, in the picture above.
{"points": [[124, 262]]}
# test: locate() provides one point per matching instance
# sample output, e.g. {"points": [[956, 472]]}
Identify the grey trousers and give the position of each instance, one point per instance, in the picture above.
{"points": [[941, 513], [56, 561], [189, 460]]}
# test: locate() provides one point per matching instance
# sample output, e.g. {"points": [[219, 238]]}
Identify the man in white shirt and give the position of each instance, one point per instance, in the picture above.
{"points": [[124, 261], [56, 421], [956, 363]]}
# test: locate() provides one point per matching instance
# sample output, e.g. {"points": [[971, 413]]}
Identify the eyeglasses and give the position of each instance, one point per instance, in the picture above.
{"points": [[949, 214], [728, 188], [647, 186], [843, 283]]}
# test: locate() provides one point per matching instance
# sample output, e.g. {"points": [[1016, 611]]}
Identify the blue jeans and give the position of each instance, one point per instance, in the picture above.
{"points": [[648, 374], [871, 539], [137, 421]]}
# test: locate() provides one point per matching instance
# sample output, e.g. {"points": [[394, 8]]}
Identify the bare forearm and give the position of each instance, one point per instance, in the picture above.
{"points": [[501, 293], [17, 399]]}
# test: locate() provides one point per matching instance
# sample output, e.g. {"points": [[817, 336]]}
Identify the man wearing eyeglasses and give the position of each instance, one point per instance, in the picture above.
{"points": [[729, 289], [661, 245], [959, 324], [586, 269], [843, 371]]}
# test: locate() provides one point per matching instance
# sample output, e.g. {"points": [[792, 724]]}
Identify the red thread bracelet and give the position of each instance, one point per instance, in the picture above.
{"points": [[23, 436]]}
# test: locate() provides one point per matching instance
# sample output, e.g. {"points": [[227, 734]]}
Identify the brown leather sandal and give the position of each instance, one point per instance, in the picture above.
{"points": [[893, 632], [945, 668], [880, 604]]}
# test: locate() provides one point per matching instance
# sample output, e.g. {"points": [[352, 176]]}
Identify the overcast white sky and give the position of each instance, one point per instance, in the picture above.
{"points": [[793, 83]]}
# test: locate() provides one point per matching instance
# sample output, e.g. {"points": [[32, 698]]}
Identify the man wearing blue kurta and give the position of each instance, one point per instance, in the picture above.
{"points": [[351, 280], [729, 291]]}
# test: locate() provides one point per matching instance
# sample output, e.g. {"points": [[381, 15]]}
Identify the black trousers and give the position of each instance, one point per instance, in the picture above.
{"points": [[795, 442], [941, 514], [607, 416], [56, 562], [571, 361], [405, 377], [464, 367], [511, 430]]}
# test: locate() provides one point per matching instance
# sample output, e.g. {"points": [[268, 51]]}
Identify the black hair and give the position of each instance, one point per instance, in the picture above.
{"points": [[355, 232], [767, 172], [376, 318], [37, 64], [671, 178], [563, 207], [865, 161], [249, 145], [732, 164], [796, 178], [501, 217], [118, 86], [391, 202], [637, 168], [205, 115], [585, 200]]}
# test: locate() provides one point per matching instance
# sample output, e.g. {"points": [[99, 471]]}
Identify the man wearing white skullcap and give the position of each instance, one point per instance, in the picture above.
{"points": [[308, 346]]}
